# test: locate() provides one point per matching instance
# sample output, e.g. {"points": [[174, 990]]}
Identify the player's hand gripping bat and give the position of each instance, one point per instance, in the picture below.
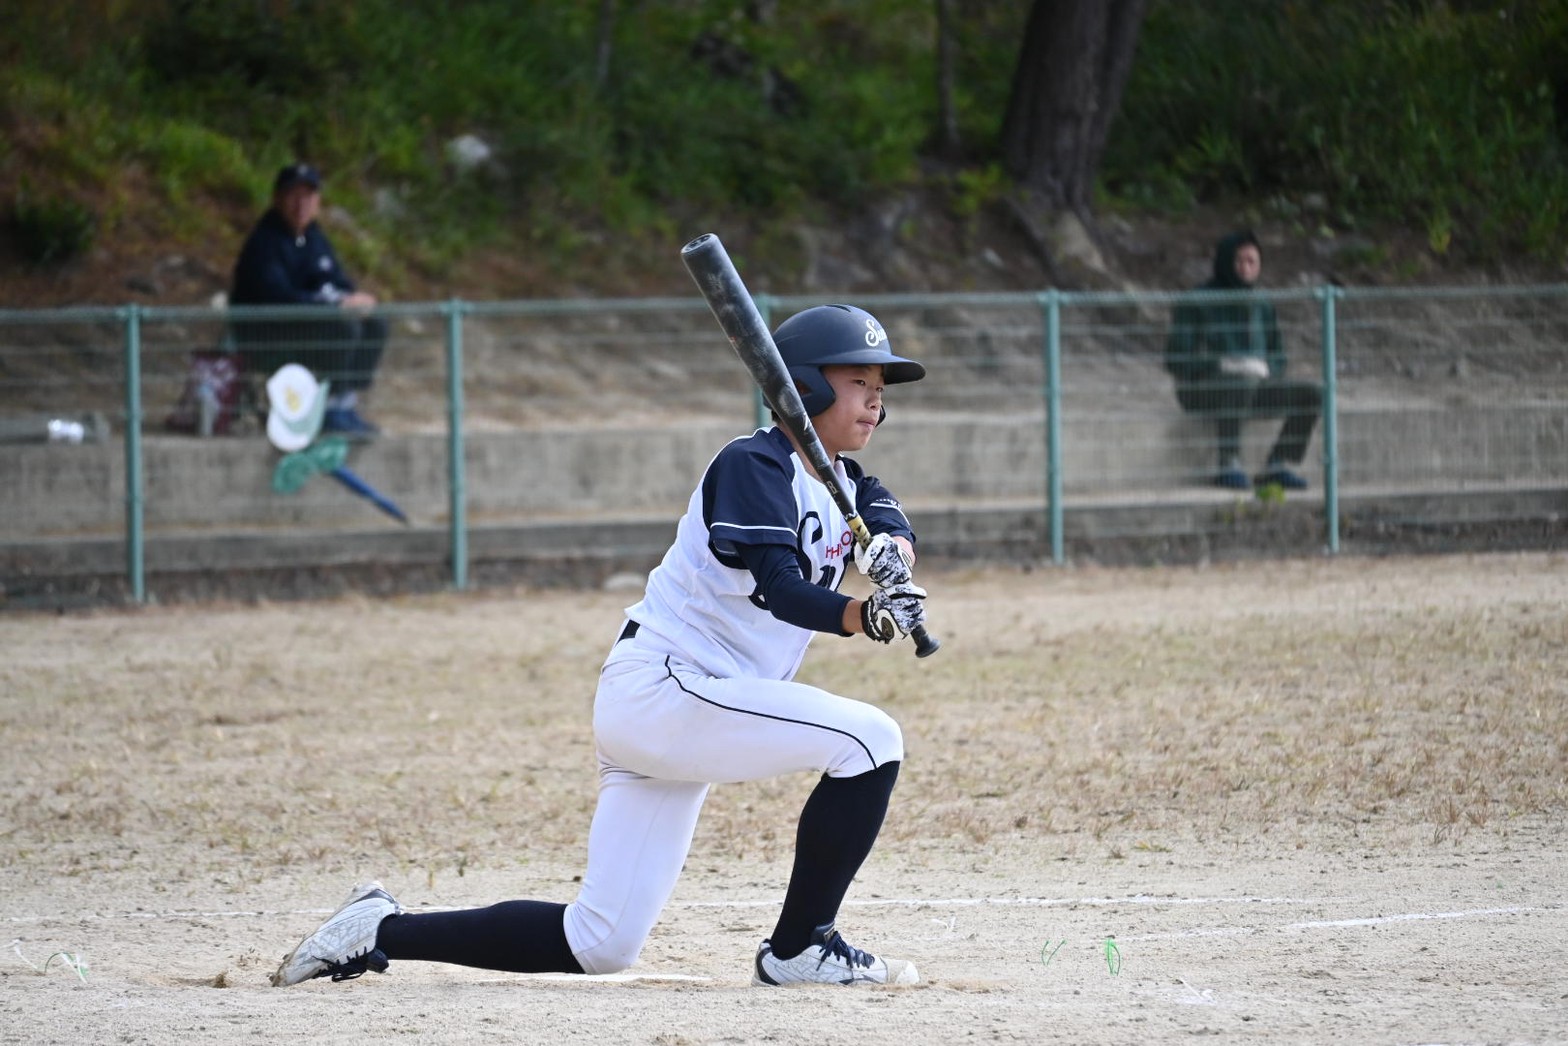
{"points": [[709, 264]]}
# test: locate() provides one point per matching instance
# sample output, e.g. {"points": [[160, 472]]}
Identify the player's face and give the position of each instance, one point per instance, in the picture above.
{"points": [[857, 404], [1249, 262]]}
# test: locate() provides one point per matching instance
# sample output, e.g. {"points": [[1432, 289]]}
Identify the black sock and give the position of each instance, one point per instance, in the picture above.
{"points": [[515, 936], [838, 826]]}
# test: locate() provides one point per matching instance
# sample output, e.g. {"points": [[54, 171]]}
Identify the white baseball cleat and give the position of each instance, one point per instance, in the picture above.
{"points": [[829, 959], [344, 946]]}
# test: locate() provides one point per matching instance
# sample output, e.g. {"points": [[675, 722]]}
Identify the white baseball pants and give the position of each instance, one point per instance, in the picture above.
{"points": [[664, 733]]}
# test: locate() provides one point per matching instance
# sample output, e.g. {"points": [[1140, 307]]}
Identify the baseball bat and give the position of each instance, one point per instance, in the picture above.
{"points": [[710, 265]]}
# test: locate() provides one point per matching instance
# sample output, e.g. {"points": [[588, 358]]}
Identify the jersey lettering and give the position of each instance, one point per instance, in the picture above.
{"points": [[807, 534]]}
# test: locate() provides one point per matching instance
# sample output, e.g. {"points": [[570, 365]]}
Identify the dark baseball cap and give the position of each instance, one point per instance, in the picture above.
{"points": [[295, 174]]}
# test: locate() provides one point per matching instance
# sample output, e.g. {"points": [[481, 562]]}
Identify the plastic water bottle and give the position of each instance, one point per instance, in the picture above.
{"points": [[206, 408], [62, 430]]}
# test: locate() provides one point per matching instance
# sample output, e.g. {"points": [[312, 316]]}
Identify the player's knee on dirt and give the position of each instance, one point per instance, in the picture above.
{"points": [[602, 944], [613, 954]]}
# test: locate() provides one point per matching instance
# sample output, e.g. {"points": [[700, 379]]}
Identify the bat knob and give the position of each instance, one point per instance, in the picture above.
{"points": [[925, 643], [697, 244]]}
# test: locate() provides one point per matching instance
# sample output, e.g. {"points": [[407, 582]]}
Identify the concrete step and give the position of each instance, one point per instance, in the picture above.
{"points": [[1152, 527], [226, 482], [582, 504]]}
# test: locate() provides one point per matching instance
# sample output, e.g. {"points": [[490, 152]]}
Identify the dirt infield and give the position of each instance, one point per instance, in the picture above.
{"points": [[1308, 801]]}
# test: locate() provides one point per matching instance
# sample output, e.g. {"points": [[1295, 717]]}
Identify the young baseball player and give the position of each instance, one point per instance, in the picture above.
{"points": [[698, 689]]}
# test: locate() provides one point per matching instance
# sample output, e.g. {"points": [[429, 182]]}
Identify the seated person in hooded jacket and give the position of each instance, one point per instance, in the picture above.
{"points": [[288, 260], [1229, 365]]}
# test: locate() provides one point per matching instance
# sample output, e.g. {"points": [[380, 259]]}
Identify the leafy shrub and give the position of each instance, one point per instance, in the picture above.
{"points": [[1439, 116], [52, 229], [1436, 116], [263, 50]]}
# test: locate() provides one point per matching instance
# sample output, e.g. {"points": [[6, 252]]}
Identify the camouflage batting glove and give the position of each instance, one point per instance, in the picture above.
{"points": [[884, 561], [892, 612]]}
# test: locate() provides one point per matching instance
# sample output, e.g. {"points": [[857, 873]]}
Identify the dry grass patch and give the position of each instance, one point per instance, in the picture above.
{"points": [[1381, 704]]}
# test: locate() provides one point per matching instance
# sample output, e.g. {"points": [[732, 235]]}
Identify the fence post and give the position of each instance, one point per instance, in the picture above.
{"points": [[759, 402], [1052, 302], [135, 550], [457, 480], [1327, 296]]}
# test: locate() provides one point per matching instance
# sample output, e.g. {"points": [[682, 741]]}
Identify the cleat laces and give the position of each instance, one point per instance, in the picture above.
{"points": [[355, 966], [834, 944]]}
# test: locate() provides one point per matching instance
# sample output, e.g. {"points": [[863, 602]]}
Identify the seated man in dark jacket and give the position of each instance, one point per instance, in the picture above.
{"points": [[287, 260], [1229, 365]]}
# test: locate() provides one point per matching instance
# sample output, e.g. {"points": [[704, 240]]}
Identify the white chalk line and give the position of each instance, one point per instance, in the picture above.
{"points": [[619, 978], [770, 902], [1036, 902], [1333, 924], [950, 902], [1379, 920]]}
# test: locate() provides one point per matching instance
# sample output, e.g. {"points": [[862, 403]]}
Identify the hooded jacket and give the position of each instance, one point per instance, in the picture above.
{"points": [[1204, 332]]}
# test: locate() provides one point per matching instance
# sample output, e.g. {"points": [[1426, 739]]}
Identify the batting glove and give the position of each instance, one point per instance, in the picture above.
{"points": [[884, 561], [893, 611]]}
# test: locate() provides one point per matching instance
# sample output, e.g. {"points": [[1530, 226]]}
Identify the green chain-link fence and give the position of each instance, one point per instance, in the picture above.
{"points": [[1055, 409]]}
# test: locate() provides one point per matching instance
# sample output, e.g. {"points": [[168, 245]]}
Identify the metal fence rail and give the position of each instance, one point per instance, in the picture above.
{"points": [[1051, 399]]}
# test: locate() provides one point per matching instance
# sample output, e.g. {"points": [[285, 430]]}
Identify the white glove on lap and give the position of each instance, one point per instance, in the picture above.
{"points": [[1252, 367], [884, 561], [893, 611]]}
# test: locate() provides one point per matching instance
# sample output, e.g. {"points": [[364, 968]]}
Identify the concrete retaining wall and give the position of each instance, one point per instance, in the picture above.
{"points": [[59, 489], [570, 504]]}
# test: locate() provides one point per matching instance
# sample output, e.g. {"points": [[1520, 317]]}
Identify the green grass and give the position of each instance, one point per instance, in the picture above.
{"points": [[1437, 117]]}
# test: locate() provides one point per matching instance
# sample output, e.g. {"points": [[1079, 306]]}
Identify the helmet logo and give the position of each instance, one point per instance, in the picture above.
{"points": [[875, 335]]}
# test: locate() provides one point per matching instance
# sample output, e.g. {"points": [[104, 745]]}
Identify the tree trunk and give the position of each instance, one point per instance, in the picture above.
{"points": [[1066, 90], [947, 116], [606, 40]]}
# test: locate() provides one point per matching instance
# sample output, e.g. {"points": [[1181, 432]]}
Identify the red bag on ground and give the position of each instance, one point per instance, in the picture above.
{"points": [[214, 396]]}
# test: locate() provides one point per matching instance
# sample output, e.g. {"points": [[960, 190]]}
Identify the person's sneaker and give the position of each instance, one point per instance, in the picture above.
{"points": [[346, 422], [344, 946], [1232, 479], [1280, 476], [829, 959]]}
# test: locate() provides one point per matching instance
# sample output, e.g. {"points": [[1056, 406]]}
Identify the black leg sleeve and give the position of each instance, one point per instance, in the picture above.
{"points": [[838, 826], [515, 936]]}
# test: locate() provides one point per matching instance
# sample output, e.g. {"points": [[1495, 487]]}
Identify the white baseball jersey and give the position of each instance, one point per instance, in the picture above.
{"points": [[701, 603]]}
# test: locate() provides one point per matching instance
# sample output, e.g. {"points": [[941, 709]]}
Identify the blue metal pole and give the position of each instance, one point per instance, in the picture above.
{"points": [[1327, 297], [457, 481], [135, 549], [1053, 420]]}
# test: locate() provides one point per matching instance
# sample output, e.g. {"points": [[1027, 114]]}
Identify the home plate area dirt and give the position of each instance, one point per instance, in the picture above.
{"points": [[1312, 801]]}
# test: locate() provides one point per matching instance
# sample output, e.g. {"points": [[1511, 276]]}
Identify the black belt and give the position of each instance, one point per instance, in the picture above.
{"points": [[627, 632]]}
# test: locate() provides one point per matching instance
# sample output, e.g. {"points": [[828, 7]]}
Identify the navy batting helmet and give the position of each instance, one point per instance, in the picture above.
{"points": [[829, 334]]}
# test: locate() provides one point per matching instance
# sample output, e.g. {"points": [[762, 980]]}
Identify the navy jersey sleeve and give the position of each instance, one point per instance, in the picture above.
{"points": [[877, 506], [789, 596], [748, 499]]}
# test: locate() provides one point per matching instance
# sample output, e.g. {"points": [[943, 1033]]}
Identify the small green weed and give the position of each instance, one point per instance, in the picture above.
{"points": [[52, 229]]}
